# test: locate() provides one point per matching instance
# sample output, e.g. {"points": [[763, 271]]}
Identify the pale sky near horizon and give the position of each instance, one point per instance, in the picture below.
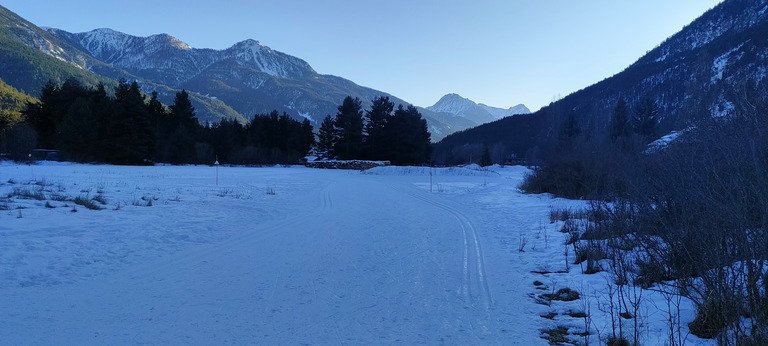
{"points": [[497, 52]]}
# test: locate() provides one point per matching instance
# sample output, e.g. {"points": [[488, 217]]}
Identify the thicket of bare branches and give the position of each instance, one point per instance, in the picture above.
{"points": [[697, 212], [691, 216]]}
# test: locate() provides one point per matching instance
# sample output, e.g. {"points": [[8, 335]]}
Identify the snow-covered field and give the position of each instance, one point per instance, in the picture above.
{"points": [[289, 255]]}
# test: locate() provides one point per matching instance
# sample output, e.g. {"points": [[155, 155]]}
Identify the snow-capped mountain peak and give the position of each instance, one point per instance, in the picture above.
{"points": [[169, 40], [478, 113], [253, 53], [452, 103], [502, 113]]}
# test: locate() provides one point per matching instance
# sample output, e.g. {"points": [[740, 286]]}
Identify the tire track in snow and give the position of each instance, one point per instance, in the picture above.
{"points": [[475, 288]]}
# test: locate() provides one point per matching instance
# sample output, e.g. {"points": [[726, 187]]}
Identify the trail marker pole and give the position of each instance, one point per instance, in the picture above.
{"points": [[217, 170], [430, 179]]}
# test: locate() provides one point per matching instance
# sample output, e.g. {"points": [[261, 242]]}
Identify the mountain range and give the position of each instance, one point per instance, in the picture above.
{"points": [[477, 112], [714, 67], [245, 79]]}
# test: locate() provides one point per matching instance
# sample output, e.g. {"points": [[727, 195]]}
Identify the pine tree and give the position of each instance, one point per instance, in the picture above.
{"points": [[182, 112], [78, 131], [377, 117], [407, 137], [184, 125], [646, 118], [307, 137], [43, 117], [131, 132], [485, 159], [326, 138], [349, 129], [619, 126]]}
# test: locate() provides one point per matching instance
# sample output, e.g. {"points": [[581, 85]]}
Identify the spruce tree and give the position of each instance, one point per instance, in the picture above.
{"points": [[43, 117], [131, 132], [485, 159], [184, 125], [326, 138], [78, 131], [407, 137], [182, 112], [349, 129], [377, 117], [619, 126], [646, 118]]}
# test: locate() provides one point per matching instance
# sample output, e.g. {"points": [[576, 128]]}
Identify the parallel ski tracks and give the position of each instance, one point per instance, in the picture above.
{"points": [[474, 289]]}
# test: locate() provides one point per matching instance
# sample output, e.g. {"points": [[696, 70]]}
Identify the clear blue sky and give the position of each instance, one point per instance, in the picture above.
{"points": [[498, 52]]}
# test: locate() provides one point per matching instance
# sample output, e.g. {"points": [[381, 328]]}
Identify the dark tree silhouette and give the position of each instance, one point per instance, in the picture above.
{"points": [[375, 127], [349, 129], [326, 138]]}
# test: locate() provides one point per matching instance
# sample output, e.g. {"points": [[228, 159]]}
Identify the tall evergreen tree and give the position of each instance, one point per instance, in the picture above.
{"points": [[376, 122], [183, 130], [182, 111], [131, 132], [619, 126], [349, 129], [485, 159], [645, 120], [79, 131], [326, 138], [570, 128], [408, 140], [307, 137], [43, 117]]}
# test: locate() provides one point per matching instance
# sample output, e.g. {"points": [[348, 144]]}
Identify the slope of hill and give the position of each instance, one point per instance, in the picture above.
{"points": [[12, 102], [31, 56], [705, 70]]}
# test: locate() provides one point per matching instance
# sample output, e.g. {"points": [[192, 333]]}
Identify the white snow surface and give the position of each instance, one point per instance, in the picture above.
{"points": [[721, 62], [288, 255]]}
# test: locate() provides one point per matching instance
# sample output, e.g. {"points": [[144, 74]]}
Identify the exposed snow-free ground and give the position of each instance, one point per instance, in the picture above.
{"points": [[287, 255]]}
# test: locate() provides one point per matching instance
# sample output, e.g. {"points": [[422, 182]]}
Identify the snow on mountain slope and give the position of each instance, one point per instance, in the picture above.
{"points": [[477, 113], [503, 113], [452, 103], [170, 54]]}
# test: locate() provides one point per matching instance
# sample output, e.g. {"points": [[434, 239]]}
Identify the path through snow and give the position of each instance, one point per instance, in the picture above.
{"points": [[331, 257]]}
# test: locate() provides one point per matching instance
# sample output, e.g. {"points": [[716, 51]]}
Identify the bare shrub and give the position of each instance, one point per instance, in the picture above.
{"points": [[87, 203]]}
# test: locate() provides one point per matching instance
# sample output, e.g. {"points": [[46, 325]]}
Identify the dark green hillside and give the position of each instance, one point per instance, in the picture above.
{"points": [[27, 68], [12, 102]]}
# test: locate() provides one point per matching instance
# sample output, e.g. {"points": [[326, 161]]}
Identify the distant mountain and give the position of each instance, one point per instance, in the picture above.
{"points": [[477, 113], [499, 113], [31, 56], [238, 82], [708, 69]]}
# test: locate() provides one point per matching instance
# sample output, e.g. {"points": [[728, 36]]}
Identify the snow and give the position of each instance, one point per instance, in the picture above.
{"points": [[287, 255], [722, 108], [452, 103], [721, 62], [500, 113], [664, 141]]}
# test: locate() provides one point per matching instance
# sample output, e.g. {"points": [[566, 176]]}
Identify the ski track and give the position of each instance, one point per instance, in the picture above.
{"points": [[361, 260], [475, 288]]}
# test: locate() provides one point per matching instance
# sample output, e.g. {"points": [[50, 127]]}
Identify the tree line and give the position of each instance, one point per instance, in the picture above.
{"points": [[379, 133], [87, 124]]}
